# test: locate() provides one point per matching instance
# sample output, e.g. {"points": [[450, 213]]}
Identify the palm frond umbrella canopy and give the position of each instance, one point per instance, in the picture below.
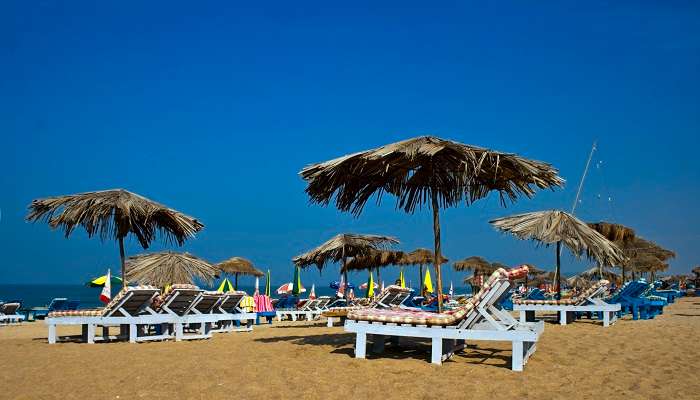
{"points": [[619, 234], [238, 266], [555, 226], [167, 268], [578, 281], [374, 260], [113, 214], [595, 272], [421, 257], [340, 247], [478, 265], [426, 170], [643, 255]]}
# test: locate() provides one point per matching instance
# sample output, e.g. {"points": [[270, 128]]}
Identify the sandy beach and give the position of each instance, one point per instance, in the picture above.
{"points": [[653, 359]]}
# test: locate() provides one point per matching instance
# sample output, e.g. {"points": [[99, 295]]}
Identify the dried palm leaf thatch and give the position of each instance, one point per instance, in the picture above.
{"points": [[167, 268], [239, 266], [616, 233], [421, 257], [341, 247], [426, 170], [113, 214], [696, 270], [595, 272], [415, 168], [647, 263], [477, 264], [374, 259], [554, 226], [578, 281], [640, 246]]}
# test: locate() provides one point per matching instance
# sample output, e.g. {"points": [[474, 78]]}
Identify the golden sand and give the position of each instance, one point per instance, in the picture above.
{"points": [[654, 359]]}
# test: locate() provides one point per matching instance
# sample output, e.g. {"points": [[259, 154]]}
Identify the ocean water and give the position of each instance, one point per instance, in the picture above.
{"points": [[41, 295]]}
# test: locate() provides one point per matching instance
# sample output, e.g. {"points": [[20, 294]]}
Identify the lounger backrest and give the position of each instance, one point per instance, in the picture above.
{"points": [[208, 301], [308, 305], [596, 290], [57, 304], [131, 300], [494, 290], [392, 296], [9, 308], [72, 305], [230, 303], [322, 302], [181, 299]]}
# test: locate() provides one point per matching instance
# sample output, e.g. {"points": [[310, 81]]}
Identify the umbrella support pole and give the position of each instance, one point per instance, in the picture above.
{"points": [[121, 257], [437, 254]]}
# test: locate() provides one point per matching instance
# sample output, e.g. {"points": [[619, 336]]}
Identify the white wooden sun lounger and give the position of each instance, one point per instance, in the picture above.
{"points": [[589, 301], [8, 313], [311, 310], [229, 312], [392, 296], [480, 319], [128, 310], [178, 306]]}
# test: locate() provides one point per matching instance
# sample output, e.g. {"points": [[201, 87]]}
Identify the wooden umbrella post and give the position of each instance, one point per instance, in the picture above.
{"points": [[235, 286], [436, 232], [420, 279], [123, 262], [558, 273], [346, 290]]}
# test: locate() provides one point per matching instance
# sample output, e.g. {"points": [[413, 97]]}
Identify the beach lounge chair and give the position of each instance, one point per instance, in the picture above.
{"points": [[130, 308], [232, 318], [263, 308], [393, 296], [309, 310], [9, 313], [478, 319], [590, 301], [182, 321], [632, 300]]}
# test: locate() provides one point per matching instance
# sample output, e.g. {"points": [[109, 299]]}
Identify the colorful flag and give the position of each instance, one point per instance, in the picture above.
{"points": [[106, 294], [257, 285], [312, 294], [370, 286], [402, 279], [452, 290], [427, 282]]}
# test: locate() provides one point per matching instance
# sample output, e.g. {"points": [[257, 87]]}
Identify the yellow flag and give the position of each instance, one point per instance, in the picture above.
{"points": [[427, 282], [402, 279]]}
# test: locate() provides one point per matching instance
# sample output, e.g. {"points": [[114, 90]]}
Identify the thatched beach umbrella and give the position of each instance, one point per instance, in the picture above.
{"points": [[113, 214], [238, 266], [600, 273], [646, 256], [426, 170], [420, 257], [560, 227], [578, 281], [619, 234], [340, 247], [478, 265], [374, 260], [167, 268]]}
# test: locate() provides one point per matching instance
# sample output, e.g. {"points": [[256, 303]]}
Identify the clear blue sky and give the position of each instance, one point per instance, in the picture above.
{"points": [[213, 108]]}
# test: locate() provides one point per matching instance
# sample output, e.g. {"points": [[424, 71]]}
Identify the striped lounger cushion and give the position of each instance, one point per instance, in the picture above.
{"points": [[578, 300], [400, 316], [99, 312]]}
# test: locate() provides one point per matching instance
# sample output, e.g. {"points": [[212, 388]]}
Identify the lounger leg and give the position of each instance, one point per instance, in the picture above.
{"points": [[91, 333], [562, 317], [523, 316], [606, 319], [360, 345], [132, 333], [105, 333], [178, 332], [52, 334], [330, 322], [436, 354], [517, 356]]}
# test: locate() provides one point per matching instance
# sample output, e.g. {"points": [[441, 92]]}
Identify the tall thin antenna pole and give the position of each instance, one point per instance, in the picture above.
{"points": [[583, 178]]}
